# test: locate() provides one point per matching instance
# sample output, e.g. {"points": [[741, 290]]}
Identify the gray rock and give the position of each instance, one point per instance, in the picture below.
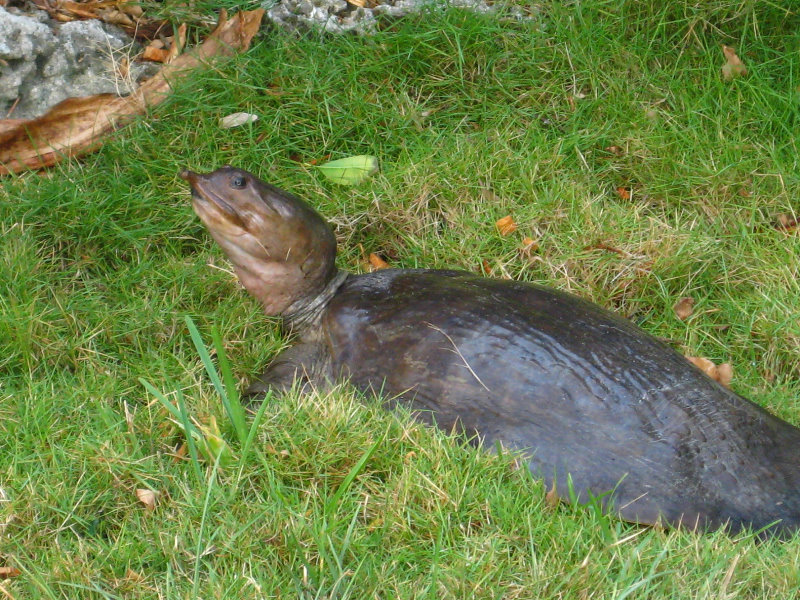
{"points": [[338, 16], [42, 62]]}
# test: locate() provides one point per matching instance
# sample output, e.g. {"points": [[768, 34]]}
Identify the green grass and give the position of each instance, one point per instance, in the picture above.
{"points": [[473, 118]]}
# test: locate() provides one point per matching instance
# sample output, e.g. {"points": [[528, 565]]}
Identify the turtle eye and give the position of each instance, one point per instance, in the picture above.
{"points": [[238, 182]]}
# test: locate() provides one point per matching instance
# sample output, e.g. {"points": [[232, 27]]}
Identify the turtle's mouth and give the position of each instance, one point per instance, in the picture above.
{"points": [[209, 205]]}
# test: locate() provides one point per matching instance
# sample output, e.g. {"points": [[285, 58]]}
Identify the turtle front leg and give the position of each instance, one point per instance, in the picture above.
{"points": [[305, 363]]}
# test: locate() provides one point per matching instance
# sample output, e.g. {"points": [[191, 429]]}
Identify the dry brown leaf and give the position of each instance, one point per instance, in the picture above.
{"points": [[115, 17], [733, 67], [154, 54], [133, 577], [684, 308], [147, 497], [9, 572], [624, 193], [506, 225], [528, 246], [65, 11], [133, 9], [236, 120], [178, 42], [787, 222], [615, 150], [377, 263], [721, 374], [705, 365], [77, 125], [551, 498], [725, 374]]}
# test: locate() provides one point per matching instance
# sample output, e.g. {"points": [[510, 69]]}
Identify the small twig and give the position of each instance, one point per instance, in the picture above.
{"points": [[457, 351]]}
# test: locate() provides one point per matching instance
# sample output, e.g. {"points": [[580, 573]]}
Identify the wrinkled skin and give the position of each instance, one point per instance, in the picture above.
{"points": [[584, 393]]}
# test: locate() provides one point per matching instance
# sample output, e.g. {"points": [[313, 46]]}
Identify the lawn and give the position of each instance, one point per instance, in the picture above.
{"points": [[604, 128]]}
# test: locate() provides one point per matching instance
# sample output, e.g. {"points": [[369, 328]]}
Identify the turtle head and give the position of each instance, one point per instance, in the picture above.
{"points": [[282, 250]]}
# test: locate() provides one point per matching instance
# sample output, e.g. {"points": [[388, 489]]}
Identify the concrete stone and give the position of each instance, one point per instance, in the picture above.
{"points": [[339, 16], [43, 61]]}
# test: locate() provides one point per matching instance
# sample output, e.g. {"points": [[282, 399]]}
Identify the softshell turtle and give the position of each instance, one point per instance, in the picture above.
{"points": [[591, 400]]}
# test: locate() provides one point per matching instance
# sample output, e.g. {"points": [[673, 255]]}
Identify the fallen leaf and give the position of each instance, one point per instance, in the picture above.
{"points": [[237, 119], [154, 54], [146, 497], [377, 263], [624, 193], [615, 150], [351, 170], [725, 374], [506, 225], [733, 67], [705, 365], [8, 572], [486, 268], [138, 27], [132, 9], [116, 17], [77, 125], [684, 308], [551, 498], [722, 374], [133, 576], [787, 222], [528, 246], [177, 43]]}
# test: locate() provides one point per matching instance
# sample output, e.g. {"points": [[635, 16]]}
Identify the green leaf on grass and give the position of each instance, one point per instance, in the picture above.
{"points": [[351, 170]]}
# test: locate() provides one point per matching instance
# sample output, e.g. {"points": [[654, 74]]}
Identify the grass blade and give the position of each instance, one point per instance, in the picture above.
{"points": [[331, 505], [182, 417], [230, 399], [205, 357]]}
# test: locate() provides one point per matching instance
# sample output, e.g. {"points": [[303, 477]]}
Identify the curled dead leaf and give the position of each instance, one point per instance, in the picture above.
{"points": [[684, 308], [237, 119], [725, 374], [551, 498], [624, 192], [146, 497], [721, 374], [506, 225], [154, 54], [133, 9], [377, 263], [787, 222], [178, 42], [133, 577], [705, 365], [528, 246], [9, 572], [733, 67]]}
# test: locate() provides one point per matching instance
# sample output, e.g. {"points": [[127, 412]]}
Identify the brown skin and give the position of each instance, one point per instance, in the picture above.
{"points": [[282, 251], [585, 394]]}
